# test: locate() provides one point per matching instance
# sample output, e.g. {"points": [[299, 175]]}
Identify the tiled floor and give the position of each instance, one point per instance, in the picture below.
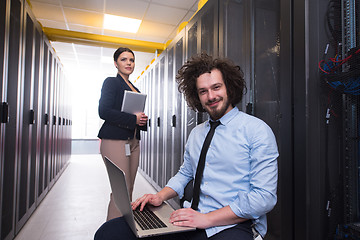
{"points": [[77, 204]]}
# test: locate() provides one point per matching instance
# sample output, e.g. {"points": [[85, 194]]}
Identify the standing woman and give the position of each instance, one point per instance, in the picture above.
{"points": [[120, 130]]}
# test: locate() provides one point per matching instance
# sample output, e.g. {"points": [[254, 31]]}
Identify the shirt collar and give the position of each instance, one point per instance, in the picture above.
{"points": [[227, 117]]}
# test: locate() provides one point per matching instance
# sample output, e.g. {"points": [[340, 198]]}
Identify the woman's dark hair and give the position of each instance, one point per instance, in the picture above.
{"points": [[120, 50], [199, 64]]}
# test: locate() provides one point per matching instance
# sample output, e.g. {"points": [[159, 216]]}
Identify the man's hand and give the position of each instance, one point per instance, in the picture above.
{"points": [[188, 217], [152, 199]]}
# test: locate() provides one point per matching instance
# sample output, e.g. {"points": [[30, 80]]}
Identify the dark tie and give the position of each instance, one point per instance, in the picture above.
{"points": [[201, 165]]}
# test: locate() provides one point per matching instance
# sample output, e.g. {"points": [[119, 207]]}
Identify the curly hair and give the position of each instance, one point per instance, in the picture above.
{"points": [[199, 64]]}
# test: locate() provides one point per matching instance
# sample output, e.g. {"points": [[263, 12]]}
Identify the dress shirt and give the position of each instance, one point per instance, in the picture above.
{"points": [[240, 169]]}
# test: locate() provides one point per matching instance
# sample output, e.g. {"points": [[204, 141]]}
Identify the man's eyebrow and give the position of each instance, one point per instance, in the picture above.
{"points": [[201, 89]]}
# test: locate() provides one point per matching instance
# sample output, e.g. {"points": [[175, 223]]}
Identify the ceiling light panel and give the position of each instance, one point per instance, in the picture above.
{"points": [[121, 24]]}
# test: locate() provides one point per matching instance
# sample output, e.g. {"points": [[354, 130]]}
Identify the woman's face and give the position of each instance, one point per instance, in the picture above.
{"points": [[125, 64]]}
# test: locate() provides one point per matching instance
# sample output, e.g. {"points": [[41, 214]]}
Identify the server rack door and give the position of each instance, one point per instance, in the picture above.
{"points": [[11, 130], [55, 125], [142, 87], [145, 138], [178, 107], [146, 149], [35, 146], [53, 99], [153, 141], [267, 80], [150, 126], [191, 49], [3, 17], [209, 21], [58, 122], [44, 124], [169, 144], [52, 120], [162, 91], [174, 142], [156, 120], [208, 37], [233, 37], [59, 162], [24, 167]]}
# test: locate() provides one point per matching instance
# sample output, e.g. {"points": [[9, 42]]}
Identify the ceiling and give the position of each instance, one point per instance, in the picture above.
{"points": [[75, 29]]}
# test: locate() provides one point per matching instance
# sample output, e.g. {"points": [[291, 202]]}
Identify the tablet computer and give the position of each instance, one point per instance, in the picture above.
{"points": [[133, 102]]}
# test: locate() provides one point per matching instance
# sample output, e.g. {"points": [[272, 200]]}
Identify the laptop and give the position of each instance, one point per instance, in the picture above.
{"points": [[159, 215], [133, 102]]}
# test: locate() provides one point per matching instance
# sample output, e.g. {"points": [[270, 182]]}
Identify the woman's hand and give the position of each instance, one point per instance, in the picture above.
{"points": [[141, 119]]}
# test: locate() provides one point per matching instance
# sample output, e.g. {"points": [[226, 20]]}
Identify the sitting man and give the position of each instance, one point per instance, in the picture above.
{"points": [[235, 179]]}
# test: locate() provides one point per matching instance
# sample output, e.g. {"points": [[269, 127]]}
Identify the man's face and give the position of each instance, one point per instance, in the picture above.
{"points": [[212, 94]]}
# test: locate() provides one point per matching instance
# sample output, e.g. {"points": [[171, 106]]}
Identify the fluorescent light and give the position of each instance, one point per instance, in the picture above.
{"points": [[122, 24]]}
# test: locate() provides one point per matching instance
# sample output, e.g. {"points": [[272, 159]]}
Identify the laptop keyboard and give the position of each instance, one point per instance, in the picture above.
{"points": [[147, 219]]}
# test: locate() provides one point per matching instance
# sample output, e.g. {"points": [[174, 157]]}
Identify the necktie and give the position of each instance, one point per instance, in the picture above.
{"points": [[201, 165]]}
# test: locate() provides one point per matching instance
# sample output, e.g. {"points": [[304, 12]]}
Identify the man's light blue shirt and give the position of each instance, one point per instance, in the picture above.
{"points": [[240, 168]]}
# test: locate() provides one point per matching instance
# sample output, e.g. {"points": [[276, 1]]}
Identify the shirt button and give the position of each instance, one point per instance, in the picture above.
{"points": [[206, 183]]}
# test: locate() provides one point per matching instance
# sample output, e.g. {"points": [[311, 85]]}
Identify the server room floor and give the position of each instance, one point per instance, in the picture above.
{"points": [[76, 205]]}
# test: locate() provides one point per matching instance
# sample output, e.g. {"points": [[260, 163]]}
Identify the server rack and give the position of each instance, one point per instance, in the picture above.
{"points": [[161, 119], [12, 97], [179, 104], [33, 88], [168, 116]]}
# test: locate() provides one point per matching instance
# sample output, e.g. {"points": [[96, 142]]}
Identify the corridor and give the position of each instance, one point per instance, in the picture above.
{"points": [[76, 205]]}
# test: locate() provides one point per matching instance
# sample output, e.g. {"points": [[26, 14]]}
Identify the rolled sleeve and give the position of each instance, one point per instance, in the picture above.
{"points": [[261, 197], [184, 175]]}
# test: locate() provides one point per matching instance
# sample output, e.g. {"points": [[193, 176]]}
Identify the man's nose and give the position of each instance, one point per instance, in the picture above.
{"points": [[211, 95]]}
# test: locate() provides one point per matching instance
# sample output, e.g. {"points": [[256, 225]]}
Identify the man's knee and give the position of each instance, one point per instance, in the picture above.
{"points": [[114, 229]]}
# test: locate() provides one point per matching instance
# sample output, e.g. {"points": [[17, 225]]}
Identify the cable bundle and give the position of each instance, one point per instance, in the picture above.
{"points": [[345, 82]]}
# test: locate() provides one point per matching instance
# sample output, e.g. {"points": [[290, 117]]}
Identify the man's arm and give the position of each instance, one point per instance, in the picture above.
{"points": [[188, 217], [154, 199]]}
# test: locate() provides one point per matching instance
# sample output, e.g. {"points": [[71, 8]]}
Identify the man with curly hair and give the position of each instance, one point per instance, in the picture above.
{"points": [[238, 181]]}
